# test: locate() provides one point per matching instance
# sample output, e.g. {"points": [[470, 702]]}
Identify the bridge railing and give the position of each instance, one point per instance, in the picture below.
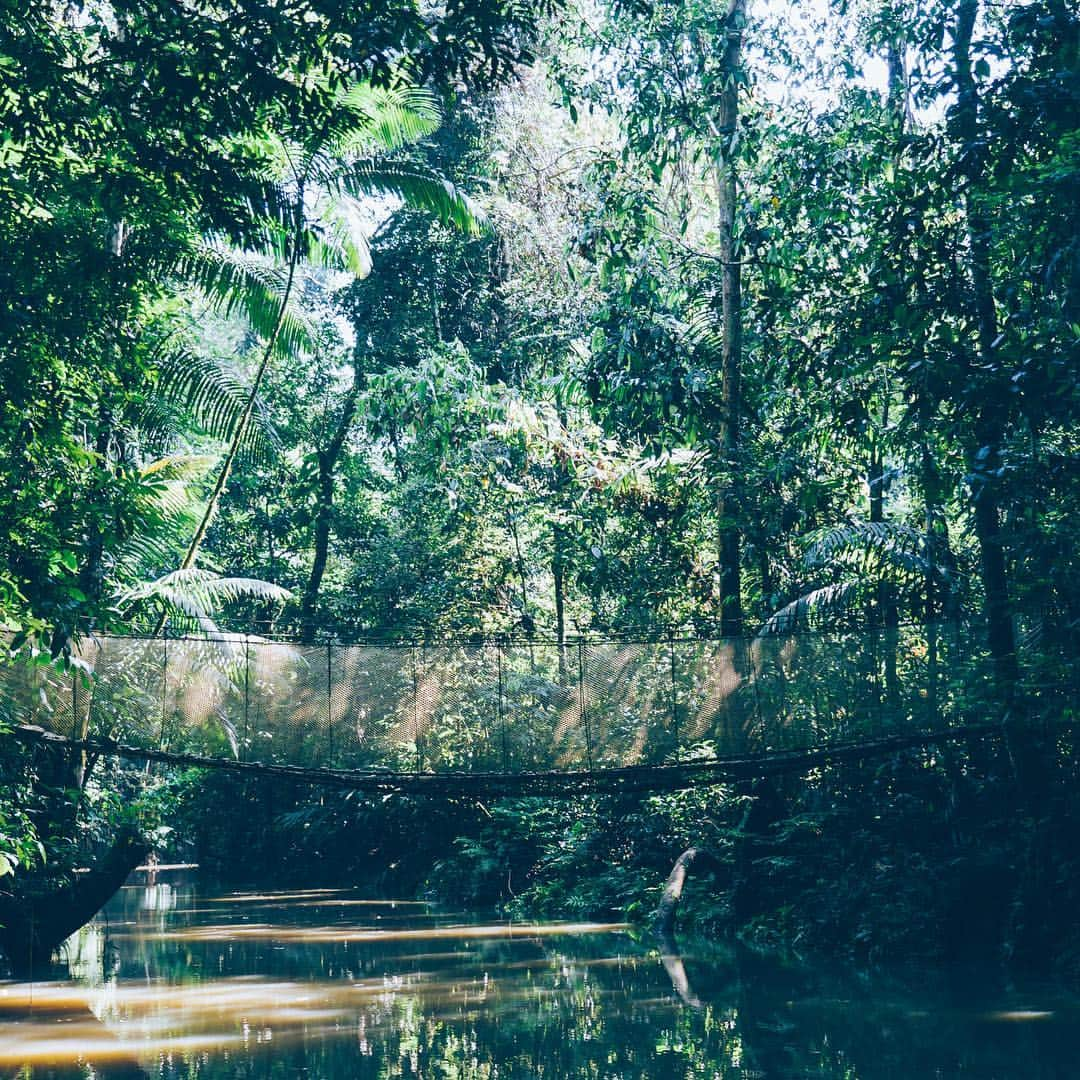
{"points": [[517, 707]]}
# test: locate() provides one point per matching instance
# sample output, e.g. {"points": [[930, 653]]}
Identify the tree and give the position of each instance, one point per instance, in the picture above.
{"points": [[129, 134], [327, 169]]}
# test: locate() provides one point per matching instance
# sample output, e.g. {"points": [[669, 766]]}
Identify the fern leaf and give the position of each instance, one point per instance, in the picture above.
{"points": [[194, 590], [241, 285], [869, 542], [374, 118], [340, 243]]}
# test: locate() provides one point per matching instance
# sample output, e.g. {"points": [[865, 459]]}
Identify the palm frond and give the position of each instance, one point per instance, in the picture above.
{"points": [[703, 330], [883, 542], [153, 547], [270, 219], [178, 466], [171, 499], [337, 242], [198, 594], [416, 188], [215, 398], [373, 118], [828, 598], [237, 284]]}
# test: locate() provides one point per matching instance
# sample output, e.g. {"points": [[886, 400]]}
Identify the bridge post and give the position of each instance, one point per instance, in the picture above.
{"points": [[164, 686], [75, 726], [247, 696], [501, 706], [416, 713], [674, 698], [329, 706], [753, 672], [581, 704]]}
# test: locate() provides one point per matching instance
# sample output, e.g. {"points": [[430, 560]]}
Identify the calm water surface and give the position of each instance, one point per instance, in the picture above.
{"points": [[176, 980]]}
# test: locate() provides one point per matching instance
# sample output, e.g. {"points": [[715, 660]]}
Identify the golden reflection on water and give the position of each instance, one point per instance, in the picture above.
{"points": [[412, 904], [388, 913], [321, 935], [123, 1023], [66, 1023], [516, 992], [34, 1044], [282, 897]]}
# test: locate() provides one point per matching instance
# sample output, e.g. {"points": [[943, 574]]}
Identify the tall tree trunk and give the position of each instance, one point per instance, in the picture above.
{"points": [[324, 508], [765, 569], [270, 556], [933, 525], [728, 504], [990, 423], [92, 573], [558, 561], [890, 616], [526, 620]]}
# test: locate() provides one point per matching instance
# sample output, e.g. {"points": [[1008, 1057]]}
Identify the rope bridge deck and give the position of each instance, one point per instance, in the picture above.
{"points": [[520, 717]]}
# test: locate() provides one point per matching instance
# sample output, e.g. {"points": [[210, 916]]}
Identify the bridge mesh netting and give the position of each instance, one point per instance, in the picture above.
{"points": [[521, 707]]}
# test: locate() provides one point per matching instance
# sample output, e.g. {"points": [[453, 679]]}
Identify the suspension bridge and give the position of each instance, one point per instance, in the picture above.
{"points": [[520, 717]]}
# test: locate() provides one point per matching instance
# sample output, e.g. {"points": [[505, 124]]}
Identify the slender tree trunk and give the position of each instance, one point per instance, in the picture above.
{"points": [[245, 419], [400, 467], [877, 516], [558, 562], [765, 569], [270, 556], [324, 510], [989, 427], [523, 578], [728, 504], [249, 407], [92, 573], [933, 606], [887, 603]]}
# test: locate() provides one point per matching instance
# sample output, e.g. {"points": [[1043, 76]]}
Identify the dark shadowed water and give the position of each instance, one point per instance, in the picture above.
{"points": [[177, 980]]}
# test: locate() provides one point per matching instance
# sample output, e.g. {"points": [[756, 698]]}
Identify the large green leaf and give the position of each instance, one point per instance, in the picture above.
{"points": [[199, 594], [829, 598]]}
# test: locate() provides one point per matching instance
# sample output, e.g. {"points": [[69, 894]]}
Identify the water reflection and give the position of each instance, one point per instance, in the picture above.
{"points": [[327, 984]]}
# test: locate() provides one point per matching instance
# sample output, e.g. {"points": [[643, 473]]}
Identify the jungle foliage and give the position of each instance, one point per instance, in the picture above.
{"points": [[385, 322]]}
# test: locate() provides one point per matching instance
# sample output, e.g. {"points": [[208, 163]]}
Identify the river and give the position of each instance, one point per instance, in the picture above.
{"points": [[177, 980]]}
